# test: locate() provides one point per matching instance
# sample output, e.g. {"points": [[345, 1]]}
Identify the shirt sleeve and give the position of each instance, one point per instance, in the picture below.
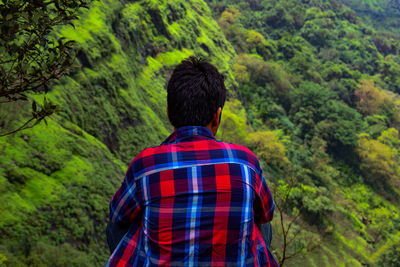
{"points": [[125, 204], [264, 205]]}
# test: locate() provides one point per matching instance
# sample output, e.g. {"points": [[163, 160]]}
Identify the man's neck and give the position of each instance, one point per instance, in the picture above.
{"points": [[209, 126]]}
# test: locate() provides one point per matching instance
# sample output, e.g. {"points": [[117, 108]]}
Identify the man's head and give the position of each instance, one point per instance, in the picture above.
{"points": [[196, 94]]}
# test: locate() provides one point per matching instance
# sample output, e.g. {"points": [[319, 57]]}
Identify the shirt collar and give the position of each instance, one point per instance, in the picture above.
{"points": [[189, 132]]}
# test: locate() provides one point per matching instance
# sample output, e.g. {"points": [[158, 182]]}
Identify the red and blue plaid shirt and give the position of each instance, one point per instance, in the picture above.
{"points": [[193, 201]]}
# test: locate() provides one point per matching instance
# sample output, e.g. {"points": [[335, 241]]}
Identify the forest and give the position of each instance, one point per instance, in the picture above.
{"points": [[313, 90]]}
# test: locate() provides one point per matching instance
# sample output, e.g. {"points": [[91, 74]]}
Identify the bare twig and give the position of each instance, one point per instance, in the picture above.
{"points": [[23, 127]]}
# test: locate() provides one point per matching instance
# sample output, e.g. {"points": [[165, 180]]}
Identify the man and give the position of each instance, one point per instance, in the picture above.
{"points": [[193, 200]]}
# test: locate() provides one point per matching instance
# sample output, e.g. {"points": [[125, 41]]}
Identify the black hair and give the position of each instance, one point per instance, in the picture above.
{"points": [[195, 91]]}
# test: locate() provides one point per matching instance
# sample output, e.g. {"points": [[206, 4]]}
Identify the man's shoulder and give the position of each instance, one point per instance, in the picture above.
{"points": [[238, 148], [160, 155], [243, 153], [146, 155]]}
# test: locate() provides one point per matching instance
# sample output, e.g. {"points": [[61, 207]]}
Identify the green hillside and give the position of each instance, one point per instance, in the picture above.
{"points": [[56, 181], [382, 14], [313, 91]]}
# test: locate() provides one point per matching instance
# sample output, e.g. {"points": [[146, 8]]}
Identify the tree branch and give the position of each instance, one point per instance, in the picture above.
{"points": [[20, 128]]}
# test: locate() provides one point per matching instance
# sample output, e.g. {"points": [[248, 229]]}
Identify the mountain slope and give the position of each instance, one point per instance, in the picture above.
{"points": [[312, 90], [326, 83], [382, 14], [56, 181]]}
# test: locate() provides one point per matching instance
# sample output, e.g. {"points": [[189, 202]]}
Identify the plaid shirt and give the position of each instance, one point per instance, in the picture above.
{"points": [[193, 201]]}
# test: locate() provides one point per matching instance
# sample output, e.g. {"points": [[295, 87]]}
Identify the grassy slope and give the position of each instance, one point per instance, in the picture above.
{"points": [[128, 51], [56, 181]]}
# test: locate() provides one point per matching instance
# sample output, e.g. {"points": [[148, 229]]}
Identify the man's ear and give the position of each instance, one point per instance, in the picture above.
{"points": [[168, 114], [216, 121], [218, 115]]}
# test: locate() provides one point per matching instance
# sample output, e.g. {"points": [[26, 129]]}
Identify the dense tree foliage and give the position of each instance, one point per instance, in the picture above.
{"points": [[326, 79], [389, 255], [31, 56]]}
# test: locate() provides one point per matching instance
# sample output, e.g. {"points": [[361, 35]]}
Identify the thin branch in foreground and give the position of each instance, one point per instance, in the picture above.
{"points": [[23, 127]]}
